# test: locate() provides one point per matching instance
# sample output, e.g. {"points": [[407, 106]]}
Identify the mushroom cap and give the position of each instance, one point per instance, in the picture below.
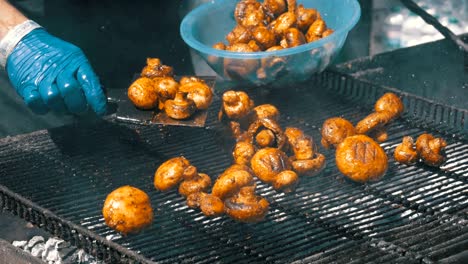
{"points": [[265, 138], [282, 23], [154, 68], [199, 92], [305, 17], [127, 209], [243, 152], [266, 111], [246, 207], [180, 107], [361, 159], [268, 162], [230, 182], [142, 94], [309, 167], [170, 173], [374, 121], [301, 144], [406, 152], [199, 183], [286, 181], [166, 87], [239, 34], [292, 37], [274, 7], [389, 102], [237, 104], [264, 37], [335, 130], [431, 149], [211, 205]]}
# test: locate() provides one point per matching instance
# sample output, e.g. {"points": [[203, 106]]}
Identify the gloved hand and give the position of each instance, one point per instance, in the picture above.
{"points": [[49, 73]]}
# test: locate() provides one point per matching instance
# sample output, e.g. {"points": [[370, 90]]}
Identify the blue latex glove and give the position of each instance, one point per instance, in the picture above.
{"points": [[49, 73]]}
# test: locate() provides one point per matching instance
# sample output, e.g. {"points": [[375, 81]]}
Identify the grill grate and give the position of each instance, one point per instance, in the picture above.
{"points": [[414, 214]]}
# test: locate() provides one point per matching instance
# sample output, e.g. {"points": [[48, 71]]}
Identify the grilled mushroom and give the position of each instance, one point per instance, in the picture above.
{"points": [[300, 143], [166, 88], [142, 93], [128, 210], [154, 68], [335, 130], [267, 163], [209, 204], [286, 181], [171, 173], [236, 104], [431, 149], [199, 92], [375, 120], [305, 160], [265, 138], [180, 107], [243, 152], [190, 79], [309, 167], [361, 159], [199, 182], [268, 111], [406, 152], [231, 181], [379, 134], [246, 207], [268, 124], [389, 102], [387, 108]]}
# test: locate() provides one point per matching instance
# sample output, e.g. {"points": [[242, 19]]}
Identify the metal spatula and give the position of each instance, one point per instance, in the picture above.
{"points": [[126, 112]]}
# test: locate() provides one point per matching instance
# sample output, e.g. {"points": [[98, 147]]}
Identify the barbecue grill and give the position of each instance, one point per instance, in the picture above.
{"points": [[58, 179]]}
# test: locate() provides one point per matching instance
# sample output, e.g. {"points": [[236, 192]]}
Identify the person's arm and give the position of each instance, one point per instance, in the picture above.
{"points": [[47, 72], [9, 18]]}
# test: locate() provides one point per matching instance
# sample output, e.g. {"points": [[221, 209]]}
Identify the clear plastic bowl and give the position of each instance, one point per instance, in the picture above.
{"points": [[211, 22]]}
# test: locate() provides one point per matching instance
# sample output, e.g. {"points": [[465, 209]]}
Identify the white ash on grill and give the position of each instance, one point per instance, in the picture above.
{"points": [[55, 251]]}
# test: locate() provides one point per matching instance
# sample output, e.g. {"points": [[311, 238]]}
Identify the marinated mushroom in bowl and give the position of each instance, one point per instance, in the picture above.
{"points": [[273, 23], [264, 42]]}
